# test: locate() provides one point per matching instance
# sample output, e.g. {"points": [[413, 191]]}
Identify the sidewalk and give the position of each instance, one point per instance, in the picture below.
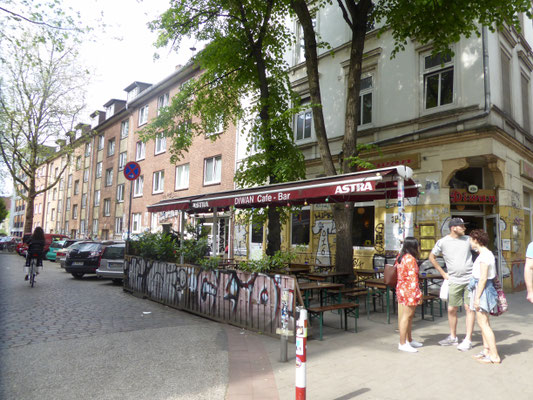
{"points": [[367, 364]]}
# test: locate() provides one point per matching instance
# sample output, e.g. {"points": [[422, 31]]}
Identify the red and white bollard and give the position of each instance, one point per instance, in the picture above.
{"points": [[301, 354]]}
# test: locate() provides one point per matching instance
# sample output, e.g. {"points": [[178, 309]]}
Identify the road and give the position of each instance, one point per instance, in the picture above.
{"points": [[88, 339]]}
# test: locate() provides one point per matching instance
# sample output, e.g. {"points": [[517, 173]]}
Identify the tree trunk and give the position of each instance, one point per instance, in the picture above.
{"points": [[30, 201], [343, 225]]}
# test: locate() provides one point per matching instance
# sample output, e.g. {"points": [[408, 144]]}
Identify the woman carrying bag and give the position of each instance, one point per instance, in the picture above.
{"points": [[408, 293]]}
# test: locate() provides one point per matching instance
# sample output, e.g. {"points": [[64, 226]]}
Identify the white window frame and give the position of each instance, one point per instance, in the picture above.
{"points": [[124, 128], [120, 193], [162, 101], [136, 222], [110, 147], [109, 177], [119, 225], [84, 200], [138, 186], [216, 170], [143, 115], [182, 176], [101, 142], [122, 158], [140, 150], [158, 182], [86, 175], [67, 204], [87, 150], [431, 71], [99, 169], [76, 186], [95, 227], [308, 113], [365, 92], [74, 211], [97, 198], [107, 208], [160, 144]]}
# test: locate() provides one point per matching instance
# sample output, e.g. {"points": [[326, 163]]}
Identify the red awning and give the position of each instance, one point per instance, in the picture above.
{"points": [[358, 186]]}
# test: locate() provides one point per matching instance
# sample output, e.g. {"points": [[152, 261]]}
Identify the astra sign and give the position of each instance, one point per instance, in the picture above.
{"points": [[354, 187]]}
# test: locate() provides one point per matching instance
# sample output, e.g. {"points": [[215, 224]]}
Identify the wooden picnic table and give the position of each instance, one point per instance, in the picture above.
{"points": [[363, 274], [323, 276], [380, 286], [308, 287]]}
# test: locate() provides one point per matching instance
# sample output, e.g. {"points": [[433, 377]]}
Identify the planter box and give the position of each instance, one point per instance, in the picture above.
{"points": [[248, 300]]}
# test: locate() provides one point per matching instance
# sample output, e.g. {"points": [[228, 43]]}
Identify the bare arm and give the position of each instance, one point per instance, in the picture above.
{"points": [[528, 277], [483, 274], [437, 266]]}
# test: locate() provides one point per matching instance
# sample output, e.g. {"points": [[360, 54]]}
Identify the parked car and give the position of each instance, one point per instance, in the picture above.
{"points": [[8, 243], [53, 249], [112, 263], [61, 254], [84, 258]]}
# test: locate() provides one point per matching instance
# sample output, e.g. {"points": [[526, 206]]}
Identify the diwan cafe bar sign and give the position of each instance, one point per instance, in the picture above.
{"points": [[288, 195], [463, 196]]}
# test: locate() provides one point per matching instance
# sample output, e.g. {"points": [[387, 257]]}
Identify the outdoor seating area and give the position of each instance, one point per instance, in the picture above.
{"points": [[321, 289]]}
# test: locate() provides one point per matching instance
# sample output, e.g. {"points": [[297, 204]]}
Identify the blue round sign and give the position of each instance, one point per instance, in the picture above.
{"points": [[132, 170]]}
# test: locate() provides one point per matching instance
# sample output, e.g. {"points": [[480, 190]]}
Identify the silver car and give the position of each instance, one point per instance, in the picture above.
{"points": [[112, 263]]}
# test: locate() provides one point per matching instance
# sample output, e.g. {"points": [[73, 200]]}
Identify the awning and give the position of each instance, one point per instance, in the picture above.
{"points": [[371, 185]]}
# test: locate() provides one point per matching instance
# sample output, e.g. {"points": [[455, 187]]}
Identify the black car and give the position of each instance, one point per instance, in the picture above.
{"points": [[84, 258]]}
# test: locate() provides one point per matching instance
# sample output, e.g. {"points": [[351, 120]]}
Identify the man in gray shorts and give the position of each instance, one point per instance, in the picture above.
{"points": [[455, 249]]}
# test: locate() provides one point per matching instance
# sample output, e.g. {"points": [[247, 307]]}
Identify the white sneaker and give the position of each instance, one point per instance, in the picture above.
{"points": [[415, 344], [407, 347], [449, 341], [465, 345]]}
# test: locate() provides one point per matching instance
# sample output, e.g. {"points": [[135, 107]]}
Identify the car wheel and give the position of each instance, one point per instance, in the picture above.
{"points": [[77, 275]]}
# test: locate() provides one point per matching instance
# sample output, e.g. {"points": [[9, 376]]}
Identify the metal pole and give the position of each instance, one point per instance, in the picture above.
{"points": [[301, 354], [401, 206], [129, 219], [182, 237]]}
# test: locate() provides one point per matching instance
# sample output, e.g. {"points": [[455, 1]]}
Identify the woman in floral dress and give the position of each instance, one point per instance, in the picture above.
{"points": [[408, 293]]}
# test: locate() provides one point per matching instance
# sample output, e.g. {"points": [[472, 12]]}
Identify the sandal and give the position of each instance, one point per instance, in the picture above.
{"points": [[481, 354], [488, 360]]}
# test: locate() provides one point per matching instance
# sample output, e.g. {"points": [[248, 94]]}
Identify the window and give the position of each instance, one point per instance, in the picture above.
{"points": [[304, 122], [300, 227], [107, 207], [525, 103], [95, 227], [218, 129], [110, 147], [363, 226], [75, 211], [99, 169], [438, 80], [109, 111], [120, 193], [59, 206], [162, 101], [124, 129], [56, 172], [119, 224], [101, 141], [160, 144], [136, 222], [140, 150], [300, 43], [84, 200], [212, 170], [365, 99], [87, 149], [66, 227], [54, 194], [68, 204], [78, 163], [122, 157], [138, 186], [182, 176], [76, 186], [158, 182], [53, 214], [83, 228], [143, 115], [61, 184], [506, 81], [86, 175], [96, 198], [257, 232], [109, 176]]}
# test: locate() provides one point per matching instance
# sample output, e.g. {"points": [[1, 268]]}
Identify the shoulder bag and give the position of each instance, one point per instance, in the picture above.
{"points": [[390, 274], [502, 306]]}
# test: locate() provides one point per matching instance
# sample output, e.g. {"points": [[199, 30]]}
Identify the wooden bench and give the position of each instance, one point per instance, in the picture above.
{"points": [[348, 308], [430, 300]]}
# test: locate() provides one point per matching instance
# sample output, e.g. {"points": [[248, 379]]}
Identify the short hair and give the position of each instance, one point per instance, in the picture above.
{"points": [[480, 236]]}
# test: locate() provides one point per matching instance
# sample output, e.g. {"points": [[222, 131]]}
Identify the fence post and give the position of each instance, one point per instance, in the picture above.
{"points": [[301, 354]]}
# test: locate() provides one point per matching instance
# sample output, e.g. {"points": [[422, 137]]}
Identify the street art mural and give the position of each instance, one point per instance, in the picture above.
{"points": [[250, 300], [323, 228]]}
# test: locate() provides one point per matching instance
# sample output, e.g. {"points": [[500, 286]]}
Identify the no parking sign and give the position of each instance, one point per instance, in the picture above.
{"points": [[132, 170]]}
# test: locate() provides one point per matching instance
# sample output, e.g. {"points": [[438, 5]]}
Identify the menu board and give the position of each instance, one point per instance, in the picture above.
{"points": [[393, 236]]}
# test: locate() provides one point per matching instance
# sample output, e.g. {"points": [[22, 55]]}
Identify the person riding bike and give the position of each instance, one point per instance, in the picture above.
{"points": [[35, 250]]}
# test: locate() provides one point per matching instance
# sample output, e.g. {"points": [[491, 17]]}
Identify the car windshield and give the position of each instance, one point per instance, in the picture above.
{"points": [[56, 245], [114, 252], [90, 246]]}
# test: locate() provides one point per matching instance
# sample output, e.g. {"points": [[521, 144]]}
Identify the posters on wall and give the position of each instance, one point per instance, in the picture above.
{"points": [[393, 235]]}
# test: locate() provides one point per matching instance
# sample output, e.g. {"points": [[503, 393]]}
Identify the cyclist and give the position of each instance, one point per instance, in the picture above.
{"points": [[35, 250]]}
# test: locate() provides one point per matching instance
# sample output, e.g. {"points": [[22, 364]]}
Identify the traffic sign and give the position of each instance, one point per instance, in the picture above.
{"points": [[132, 170]]}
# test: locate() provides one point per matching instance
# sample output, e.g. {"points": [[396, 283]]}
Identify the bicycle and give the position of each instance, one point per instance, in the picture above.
{"points": [[33, 271]]}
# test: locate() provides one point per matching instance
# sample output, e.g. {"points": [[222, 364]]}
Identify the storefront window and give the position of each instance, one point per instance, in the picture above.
{"points": [[363, 226], [300, 227], [257, 232]]}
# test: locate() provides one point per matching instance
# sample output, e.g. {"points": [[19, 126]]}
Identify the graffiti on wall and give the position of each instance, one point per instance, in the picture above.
{"points": [[323, 228], [251, 300], [240, 240], [379, 244]]}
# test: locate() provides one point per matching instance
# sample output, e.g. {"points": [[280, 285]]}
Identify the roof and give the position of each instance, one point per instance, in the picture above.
{"points": [[371, 185]]}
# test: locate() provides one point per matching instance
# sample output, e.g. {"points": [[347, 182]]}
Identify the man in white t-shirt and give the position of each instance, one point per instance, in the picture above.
{"points": [[455, 249], [528, 272]]}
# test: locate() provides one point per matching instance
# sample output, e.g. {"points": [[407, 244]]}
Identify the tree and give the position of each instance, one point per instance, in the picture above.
{"points": [[3, 211], [41, 97], [242, 60], [441, 22]]}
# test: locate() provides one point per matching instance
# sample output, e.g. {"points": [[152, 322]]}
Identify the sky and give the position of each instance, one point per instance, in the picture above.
{"points": [[122, 53]]}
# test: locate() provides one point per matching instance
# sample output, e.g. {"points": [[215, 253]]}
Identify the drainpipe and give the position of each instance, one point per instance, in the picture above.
{"points": [[487, 105]]}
